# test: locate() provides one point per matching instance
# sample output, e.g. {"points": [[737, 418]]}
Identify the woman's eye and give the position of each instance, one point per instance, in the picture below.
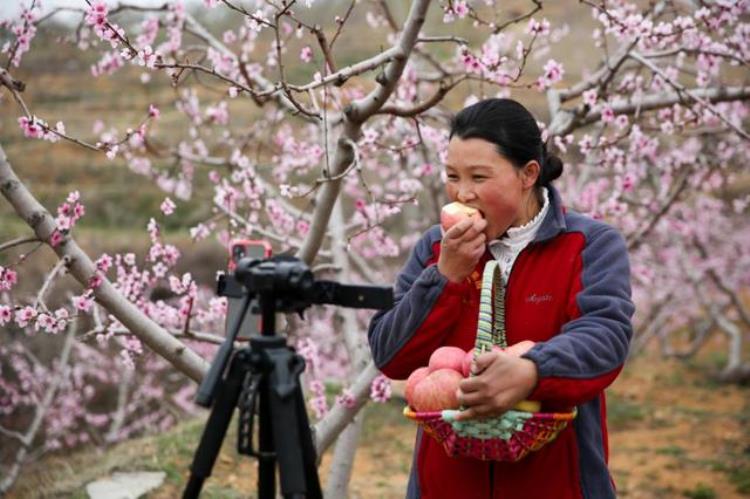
{"points": [[452, 178], [478, 178]]}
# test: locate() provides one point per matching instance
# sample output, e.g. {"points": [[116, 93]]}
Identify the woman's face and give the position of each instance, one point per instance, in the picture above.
{"points": [[478, 176]]}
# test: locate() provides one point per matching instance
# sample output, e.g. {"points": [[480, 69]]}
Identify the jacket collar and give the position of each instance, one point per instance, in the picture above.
{"points": [[554, 222]]}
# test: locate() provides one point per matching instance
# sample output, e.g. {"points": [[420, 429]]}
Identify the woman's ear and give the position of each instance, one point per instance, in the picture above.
{"points": [[530, 173]]}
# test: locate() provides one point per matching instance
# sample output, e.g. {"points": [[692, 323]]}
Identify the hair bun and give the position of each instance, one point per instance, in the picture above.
{"points": [[553, 168]]}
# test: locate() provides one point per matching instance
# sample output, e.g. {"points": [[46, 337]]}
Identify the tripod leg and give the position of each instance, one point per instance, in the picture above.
{"points": [[216, 427], [291, 431], [309, 456], [266, 459]]}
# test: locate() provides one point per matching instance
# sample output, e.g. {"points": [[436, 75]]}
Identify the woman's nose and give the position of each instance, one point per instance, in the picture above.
{"points": [[465, 193]]}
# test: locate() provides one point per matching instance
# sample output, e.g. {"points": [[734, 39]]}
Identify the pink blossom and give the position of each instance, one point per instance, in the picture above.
{"points": [[608, 114], [553, 72], [380, 389], [147, 57], [346, 398], [56, 238], [95, 281], [45, 322], [167, 206], [104, 263], [25, 315], [538, 28], [6, 314], [319, 406], [32, 127], [306, 54], [83, 302], [218, 114], [460, 8], [303, 227], [153, 230], [111, 151], [199, 232], [129, 259], [153, 112], [590, 97], [8, 278]]}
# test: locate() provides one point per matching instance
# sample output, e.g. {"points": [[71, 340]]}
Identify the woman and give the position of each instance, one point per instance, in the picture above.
{"points": [[567, 283]]}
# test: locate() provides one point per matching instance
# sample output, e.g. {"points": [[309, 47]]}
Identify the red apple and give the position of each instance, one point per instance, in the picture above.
{"points": [[447, 358], [466, 364], [453, 213], [414, 378], [437, 391]]}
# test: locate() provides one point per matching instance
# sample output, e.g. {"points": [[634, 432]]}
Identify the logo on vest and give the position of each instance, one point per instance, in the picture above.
{"points": [[538, 299]]}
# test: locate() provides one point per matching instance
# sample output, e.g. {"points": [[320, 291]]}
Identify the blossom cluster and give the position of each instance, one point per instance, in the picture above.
{"points": [[8, 278], [24, 30], [36, 128], [69, 212], [97, 17]]}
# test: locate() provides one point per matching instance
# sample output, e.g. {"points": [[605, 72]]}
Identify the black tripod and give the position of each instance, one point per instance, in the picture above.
{"points": [[263, 378]]}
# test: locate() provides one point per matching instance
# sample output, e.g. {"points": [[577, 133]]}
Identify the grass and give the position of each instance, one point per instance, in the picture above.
{"points": [[701, 491], [622, 413]]}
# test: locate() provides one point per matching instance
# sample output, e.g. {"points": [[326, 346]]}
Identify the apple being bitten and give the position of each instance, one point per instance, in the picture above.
{"points": [[453, 213]]}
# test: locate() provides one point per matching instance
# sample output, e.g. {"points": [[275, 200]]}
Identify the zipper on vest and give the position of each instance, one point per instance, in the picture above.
{"points": [[510, 277]]}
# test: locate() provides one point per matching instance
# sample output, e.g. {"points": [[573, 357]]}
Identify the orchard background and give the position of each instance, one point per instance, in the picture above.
{"points": [[138, 139]]}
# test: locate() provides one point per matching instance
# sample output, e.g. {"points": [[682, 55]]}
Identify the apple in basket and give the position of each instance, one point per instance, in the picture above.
{"points": [[437, 391], [453, 213], [447, 358], [466, 363], [414, 378]]}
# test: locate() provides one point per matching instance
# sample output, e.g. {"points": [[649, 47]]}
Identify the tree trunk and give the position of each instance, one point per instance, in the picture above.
{"points": [[337, 485]]}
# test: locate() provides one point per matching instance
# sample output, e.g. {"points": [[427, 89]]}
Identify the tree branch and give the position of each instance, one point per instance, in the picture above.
{"points": [[635, 240], [83, 269], [354, 116], [690, 93], [328, 428], [18, 242]]}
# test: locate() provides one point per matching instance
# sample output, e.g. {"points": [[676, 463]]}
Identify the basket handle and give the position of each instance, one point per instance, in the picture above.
{"points": [[491, 324]]}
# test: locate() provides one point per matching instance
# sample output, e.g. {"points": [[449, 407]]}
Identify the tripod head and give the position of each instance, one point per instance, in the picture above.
{"points": [[281, 283], [293, 287]]}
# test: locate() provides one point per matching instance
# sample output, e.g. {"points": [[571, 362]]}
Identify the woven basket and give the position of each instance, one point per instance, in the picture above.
{"points": [[515, 433]]}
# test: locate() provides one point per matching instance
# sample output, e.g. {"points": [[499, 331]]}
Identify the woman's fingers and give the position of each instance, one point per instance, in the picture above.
{"points": [[459, 230]]}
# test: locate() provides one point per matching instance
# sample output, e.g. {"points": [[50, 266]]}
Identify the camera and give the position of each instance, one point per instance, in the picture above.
{"points": [[239, 249]]}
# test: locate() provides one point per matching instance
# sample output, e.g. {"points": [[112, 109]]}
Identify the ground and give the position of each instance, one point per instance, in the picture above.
{"points": [[673, 433]]}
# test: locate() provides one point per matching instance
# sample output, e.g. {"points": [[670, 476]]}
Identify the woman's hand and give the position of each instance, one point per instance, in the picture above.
{"points": [[501, 382], [462, 247]]}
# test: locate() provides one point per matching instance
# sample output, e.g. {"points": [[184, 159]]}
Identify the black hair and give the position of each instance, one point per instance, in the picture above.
{"points": [[513, 130]]}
